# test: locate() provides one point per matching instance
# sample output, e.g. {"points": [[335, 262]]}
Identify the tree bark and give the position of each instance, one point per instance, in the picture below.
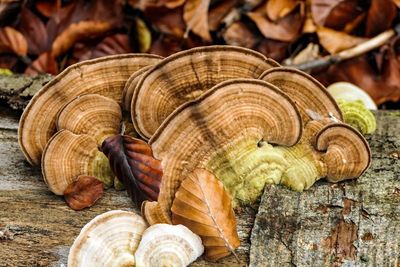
{"points": [[353, 223]]}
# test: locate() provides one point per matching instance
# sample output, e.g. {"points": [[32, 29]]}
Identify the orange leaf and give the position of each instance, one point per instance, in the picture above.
{"points": [[195, 14], [286, 29], [202, 204], [218, 12], [334, 41], [12, 40], [84, 192], [277, 9], [48, 7], [169, 21], [238, 33], [76, 32], [380, 16], [45, 63]]}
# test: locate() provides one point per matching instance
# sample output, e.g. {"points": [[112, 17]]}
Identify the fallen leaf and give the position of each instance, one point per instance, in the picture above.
{"points": [[202, 204], [77, 32], [133, 163], [309, 24], [12, 40], [285, 29], [144, 4], [218, 12], [335, 41], [45, 63], [143, 35], [83, 192], [8, 61], [168, 21], [34, 31], [396, 2], [195, 14], [273, 49], [8, 9], [277, 9], [239, 34], [165, 46], [112, 45], [335, 14], [380, 16], [48, 7]]}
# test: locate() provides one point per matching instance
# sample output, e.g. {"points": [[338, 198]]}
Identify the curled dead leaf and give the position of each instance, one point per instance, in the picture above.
{"points": [[240, 35], [76, 32], [218, 12], [48, 7], [202, 204], [133, 163], [168, 21], [335, 41], [380, 16], [195, 14], [12, 40], [286, 29], [277, 9], [83, 192], [45, 63]]}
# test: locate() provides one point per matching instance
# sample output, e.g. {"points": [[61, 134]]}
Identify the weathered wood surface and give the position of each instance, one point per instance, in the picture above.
{"points": [[354, 222]]}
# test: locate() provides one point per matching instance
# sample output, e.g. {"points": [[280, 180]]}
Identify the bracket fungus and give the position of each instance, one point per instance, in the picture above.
{"points": [[186, 75], [68, 155], [168, 245], [105, 76], [92, 114], [130, 86], [110, 239], [220, 131]]}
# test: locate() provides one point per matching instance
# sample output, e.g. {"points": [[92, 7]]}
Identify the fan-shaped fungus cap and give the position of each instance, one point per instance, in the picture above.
{"points": [[67, 156], [310, 96], [168, 245], [130, 86], [347, 153], [92, 114], [105, 76], [232, 116], [186, 75], [110, 239]]}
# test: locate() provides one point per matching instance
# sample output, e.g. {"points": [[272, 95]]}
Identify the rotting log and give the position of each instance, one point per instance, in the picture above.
{"points": [[355, 222]]}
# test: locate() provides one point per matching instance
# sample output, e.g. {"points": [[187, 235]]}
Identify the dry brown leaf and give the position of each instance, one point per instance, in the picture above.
{"points": [[45, 63], [218, 12], [277, 9], [396, 2], [335, 13], [273, 49], [309, 24], [240, 35], [380, 16], [165, 46], [144, 4], [84, 192], [169, 21], [285, 29], [195, 14], [48, 7], [76, 32], [34, 31], [12, 40], [335, 41], [202, 204]]}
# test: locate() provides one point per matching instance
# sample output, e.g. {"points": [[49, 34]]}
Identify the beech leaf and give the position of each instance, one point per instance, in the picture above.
{"points": [[195, 14], [202, 204], [335, 41], [45, 63], [83, 192], [48, 7], [277, 9], [12, 40], [133, 163], [380, 16]]}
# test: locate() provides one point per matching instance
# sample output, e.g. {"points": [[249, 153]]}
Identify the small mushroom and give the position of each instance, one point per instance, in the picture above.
{"points": [[130, 86], [184, 76], [92, 114], [346, 152], [105, 76], [168, 245], [220, 131], [68, 155], [310, 96], [351, 92], [110, 239]]}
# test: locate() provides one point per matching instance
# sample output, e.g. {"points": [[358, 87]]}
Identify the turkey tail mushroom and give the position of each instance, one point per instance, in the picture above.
{"points": [[110, 239], [184, 76], [92, 114], [220, 131], [346, 152], [105, 76], [67, 156]]}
